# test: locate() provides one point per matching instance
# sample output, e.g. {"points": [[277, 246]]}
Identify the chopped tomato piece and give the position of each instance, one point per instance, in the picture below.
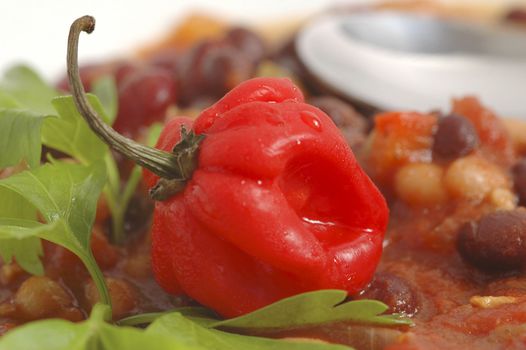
{"points": [[495, 141], [400, 138]]}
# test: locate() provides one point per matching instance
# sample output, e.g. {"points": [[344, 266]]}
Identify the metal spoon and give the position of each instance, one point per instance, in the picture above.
{"points": [[400, 61]]}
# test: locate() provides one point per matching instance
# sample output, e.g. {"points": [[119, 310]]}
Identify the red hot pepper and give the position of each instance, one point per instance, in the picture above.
{"points": [[274, 203], [277, 205]]}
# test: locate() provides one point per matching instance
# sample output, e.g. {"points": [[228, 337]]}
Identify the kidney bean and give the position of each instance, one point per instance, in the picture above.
{"points": [[211, 69], [124, 69], [248, 42], [144, 97], [166, 59], [516, 15], [455, 137], [496, 242], [393, 291]]}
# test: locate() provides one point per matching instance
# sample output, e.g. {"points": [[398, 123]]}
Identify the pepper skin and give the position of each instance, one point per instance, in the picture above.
{"points": [[277, 206]]}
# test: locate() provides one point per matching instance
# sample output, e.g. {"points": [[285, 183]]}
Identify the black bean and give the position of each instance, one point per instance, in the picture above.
{"points": [[519, 179], [455, 137], [497, 242], [395, 292]]}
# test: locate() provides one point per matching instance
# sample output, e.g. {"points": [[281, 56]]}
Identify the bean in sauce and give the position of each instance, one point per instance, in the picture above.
{"points": [[213, 67], [393, 291], [455, 137], [248, 42], [496, 242]]}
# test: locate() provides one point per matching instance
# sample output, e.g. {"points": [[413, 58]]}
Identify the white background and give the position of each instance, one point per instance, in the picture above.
{"points": [[35, 31]]}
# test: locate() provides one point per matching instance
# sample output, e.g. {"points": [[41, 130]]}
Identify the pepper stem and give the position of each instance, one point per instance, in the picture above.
{"points": [[165, 164]]}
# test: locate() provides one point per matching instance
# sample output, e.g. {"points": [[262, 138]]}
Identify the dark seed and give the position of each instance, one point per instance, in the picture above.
{"points": [[455, 137], [519, 179], [394, 292], [496, 242]]}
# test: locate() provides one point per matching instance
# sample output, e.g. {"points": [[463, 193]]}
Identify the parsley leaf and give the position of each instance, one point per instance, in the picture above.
{"points": [[299, 311], [93, 333], [66, 196], [69, 133], [20, 137], [154, 133], [24, 105], [26, 248], [27, 88], [20, 240], [106, 91], [7, 101], [170, 332], [312, 308], [193, 335]]}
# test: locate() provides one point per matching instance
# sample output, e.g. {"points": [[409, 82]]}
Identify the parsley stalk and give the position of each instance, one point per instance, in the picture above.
{"points": [[117, 202]]}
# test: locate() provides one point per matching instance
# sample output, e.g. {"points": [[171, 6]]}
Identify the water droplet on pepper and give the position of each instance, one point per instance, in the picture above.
{"points": [[311, 120]]}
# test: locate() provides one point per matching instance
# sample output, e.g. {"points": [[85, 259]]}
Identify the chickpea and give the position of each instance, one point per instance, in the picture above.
{"points": [[473, 178], [10, 272], [139, 265], [420, 184], [517, 130], [41, 297], [503, 199], [124, 297]]}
